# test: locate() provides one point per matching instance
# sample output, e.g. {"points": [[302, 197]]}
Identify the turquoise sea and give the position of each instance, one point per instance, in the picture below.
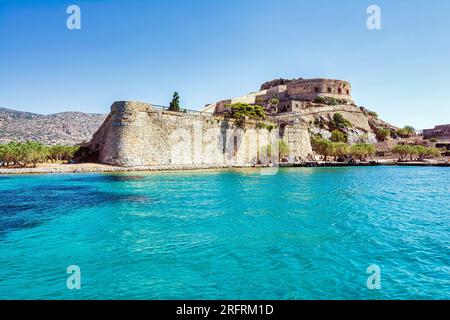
{"points": [[304, 233]]}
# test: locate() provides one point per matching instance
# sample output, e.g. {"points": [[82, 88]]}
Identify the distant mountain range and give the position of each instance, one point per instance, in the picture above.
{"points": [[66, 128]]}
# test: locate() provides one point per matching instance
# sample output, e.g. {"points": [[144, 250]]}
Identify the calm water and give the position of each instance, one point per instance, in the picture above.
{"points": [[305, 233]]}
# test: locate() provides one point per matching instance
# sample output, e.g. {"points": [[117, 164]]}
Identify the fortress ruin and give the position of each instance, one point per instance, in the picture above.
{"points": [[282, 95], [141, 134], [138, 134]]}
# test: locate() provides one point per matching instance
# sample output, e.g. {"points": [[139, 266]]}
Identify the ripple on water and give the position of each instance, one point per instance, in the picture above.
{"points": [[306, 233]]}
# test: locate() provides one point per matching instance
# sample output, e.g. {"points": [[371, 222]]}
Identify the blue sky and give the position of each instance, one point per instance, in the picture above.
{"points": [[209, 50]]}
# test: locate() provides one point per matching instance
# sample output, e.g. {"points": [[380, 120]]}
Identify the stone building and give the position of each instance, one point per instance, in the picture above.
{"points": [[441, 132], [282, 95]]}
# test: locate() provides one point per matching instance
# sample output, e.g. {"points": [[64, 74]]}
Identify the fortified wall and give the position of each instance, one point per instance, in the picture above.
{"points": [[442, 132], [290, 95], [137, 134], [311, 87]]}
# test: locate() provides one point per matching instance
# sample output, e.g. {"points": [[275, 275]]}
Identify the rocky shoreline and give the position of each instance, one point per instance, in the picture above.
{"points": [[100, 168], [96, 168], [367, 164]]}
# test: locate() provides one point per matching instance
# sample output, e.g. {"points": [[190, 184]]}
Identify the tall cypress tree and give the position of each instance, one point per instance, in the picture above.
{"points": [[175, 103]]}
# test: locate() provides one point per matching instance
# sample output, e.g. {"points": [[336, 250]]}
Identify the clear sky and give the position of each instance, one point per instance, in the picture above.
{"points": [[209, 50]]}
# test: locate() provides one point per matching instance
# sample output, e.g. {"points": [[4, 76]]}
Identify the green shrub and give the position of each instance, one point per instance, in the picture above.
{"points": [[322, 147], [362, 150], [410, 129], [433, 152], [319, 99], [327, 148], [406, 131], [425, 152], [331, 101], [340, 122], [402, 133], [402, 151], [264, 125], [9, 153], [340, 149], [59, 153], [372, 113], [241, 110], [283, 149], [266, 150], [274, 101], [22, 154], [319, 123], [338, 136], [383, 134]]}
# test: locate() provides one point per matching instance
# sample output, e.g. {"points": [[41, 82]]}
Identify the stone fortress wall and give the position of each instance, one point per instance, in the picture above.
{"points": [[310, 89], [292, 94], [297, 99], [136, 134], [440, 131]]}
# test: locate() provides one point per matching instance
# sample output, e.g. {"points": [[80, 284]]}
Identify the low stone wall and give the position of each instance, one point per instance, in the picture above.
{"points": [[135, 134]]}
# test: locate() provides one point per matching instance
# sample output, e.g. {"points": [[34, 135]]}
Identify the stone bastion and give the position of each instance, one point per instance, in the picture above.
{"points": [[311, 88], [138, 134]]}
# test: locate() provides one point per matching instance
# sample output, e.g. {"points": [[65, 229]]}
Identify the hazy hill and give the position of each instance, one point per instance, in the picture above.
{"points": [[61, 128]]}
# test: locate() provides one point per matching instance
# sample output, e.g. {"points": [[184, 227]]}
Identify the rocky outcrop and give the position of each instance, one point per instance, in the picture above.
{"points": [[377, 124], [351, 113], [320, 119]]}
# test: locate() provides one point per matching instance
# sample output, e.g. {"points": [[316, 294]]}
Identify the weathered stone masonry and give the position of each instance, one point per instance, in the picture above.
{"points": [[136, 134], [291, 95]]}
